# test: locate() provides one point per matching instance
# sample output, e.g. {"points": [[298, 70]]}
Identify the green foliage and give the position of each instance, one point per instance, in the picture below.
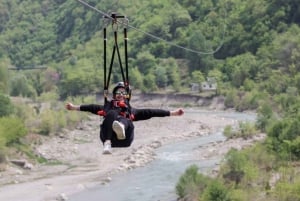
{"points": [[4, 75], [235, 160], [11, 130], [6, 107], [239, 170], [216, 191], [149, 83], [283, 137], [20, 86], [240, 68], [244, 130], [54, 119], [145, 61], [249, 101], [161, 77], [197, 77], [286, 191], [256, 68], [228, 131], [136, 78], [231, 99], [191, 184], [264, 116]]}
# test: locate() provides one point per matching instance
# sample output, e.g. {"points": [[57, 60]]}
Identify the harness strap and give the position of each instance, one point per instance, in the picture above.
{"points": [[125, 75], [125, 109]]}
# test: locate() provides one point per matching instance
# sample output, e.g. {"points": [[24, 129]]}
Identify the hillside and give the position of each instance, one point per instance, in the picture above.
{"points": [[52, 52]]}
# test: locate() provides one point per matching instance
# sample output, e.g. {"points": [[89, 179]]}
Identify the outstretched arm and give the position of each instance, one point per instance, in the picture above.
{"points": [[144, 114], [71, 106], [93, 108], [177, 112]]}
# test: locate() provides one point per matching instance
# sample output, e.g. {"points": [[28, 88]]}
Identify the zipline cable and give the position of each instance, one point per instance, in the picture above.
{"points": [[156, 37]]}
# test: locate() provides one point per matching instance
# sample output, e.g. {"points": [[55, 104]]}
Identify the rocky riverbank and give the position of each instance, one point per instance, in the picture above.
{"points": [[78, 163]]}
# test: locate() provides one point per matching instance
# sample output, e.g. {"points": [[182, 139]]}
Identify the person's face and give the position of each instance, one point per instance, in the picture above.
{"points": [[120, 94]]}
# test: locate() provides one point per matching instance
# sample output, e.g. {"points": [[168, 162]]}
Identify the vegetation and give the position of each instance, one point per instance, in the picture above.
{"points": [[251, 48]]}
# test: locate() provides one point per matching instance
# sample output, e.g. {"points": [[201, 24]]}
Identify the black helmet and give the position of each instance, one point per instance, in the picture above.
{"points": [[122, 85]]}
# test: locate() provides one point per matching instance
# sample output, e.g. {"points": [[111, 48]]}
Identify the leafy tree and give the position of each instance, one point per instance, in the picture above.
{"points": [[197, 77], [149, 83], [192, 184], [216, 191], [6, 107], [136, 78], [239, 68], [197, 41], [281, 132], [3, 77], [264, 115], [173, 73], [21, 86], [11, 130], [161, 77], [145, 61]]}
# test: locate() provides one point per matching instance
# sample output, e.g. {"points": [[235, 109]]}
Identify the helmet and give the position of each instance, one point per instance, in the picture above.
{"points": [[122, 85], [118, 85]]}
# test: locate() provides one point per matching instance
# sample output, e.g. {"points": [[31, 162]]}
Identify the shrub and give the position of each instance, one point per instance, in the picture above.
{"points": [[216, 191], [11, 130], [191, 184], [245, 130], [6, 108], [286, 191]]}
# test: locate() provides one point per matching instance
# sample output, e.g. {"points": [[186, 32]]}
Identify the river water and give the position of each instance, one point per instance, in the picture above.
{"points": [[157, 180]]}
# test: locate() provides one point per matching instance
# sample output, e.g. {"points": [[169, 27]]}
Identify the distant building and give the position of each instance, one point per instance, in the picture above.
{"points": [[195, 87], [209, 85]]}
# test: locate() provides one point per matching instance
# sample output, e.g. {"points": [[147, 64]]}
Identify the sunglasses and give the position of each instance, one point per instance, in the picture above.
{"points": [[121, 93]]}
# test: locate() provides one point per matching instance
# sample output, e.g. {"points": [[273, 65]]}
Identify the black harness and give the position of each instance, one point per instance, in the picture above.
{"points": [[122, 107], [114, 17]]}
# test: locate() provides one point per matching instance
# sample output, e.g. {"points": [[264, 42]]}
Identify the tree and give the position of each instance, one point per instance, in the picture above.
{"points": [[197, 77], [192, 184], [6, 107], [149, 83], [216, 191], [11, 130], [136, 78], [4, 76], [161, 78], [145, 62]]}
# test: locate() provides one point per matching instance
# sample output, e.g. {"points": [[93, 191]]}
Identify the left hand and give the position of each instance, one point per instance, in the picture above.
{"points": [[177, 112]]}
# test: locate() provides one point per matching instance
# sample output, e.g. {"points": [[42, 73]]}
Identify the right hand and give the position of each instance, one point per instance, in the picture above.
{"points": [[70, 106]]}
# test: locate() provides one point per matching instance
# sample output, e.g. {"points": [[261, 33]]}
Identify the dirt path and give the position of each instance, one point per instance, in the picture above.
{"points": [[82, 164]]}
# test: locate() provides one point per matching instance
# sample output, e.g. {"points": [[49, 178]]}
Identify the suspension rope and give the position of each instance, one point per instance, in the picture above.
{"points": [[125, 78], [158, 38]]}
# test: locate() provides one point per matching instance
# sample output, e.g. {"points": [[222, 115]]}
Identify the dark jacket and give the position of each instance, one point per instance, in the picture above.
{"points": [[132, 114], [139, 114]]}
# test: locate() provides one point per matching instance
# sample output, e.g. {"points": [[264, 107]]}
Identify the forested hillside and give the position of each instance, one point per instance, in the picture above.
{"points": [[53, 50]]}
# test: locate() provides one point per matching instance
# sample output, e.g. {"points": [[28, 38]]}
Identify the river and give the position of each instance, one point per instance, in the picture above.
{"points": [[157, 180]]}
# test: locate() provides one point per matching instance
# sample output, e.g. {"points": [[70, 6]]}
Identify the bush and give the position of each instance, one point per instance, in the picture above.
{"points": [[11, 130], [288, 191], [6, 108], [231, 99], [283, 137], [216, 191], [228, 131], [191, 184], [245, 130]]}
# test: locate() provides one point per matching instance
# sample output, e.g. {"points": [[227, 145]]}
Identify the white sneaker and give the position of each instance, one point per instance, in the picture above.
{"points": [[107, 148], [119, 129]]}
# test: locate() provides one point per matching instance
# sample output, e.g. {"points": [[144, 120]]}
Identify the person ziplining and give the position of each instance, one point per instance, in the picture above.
{"points": [[117, 128]]}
